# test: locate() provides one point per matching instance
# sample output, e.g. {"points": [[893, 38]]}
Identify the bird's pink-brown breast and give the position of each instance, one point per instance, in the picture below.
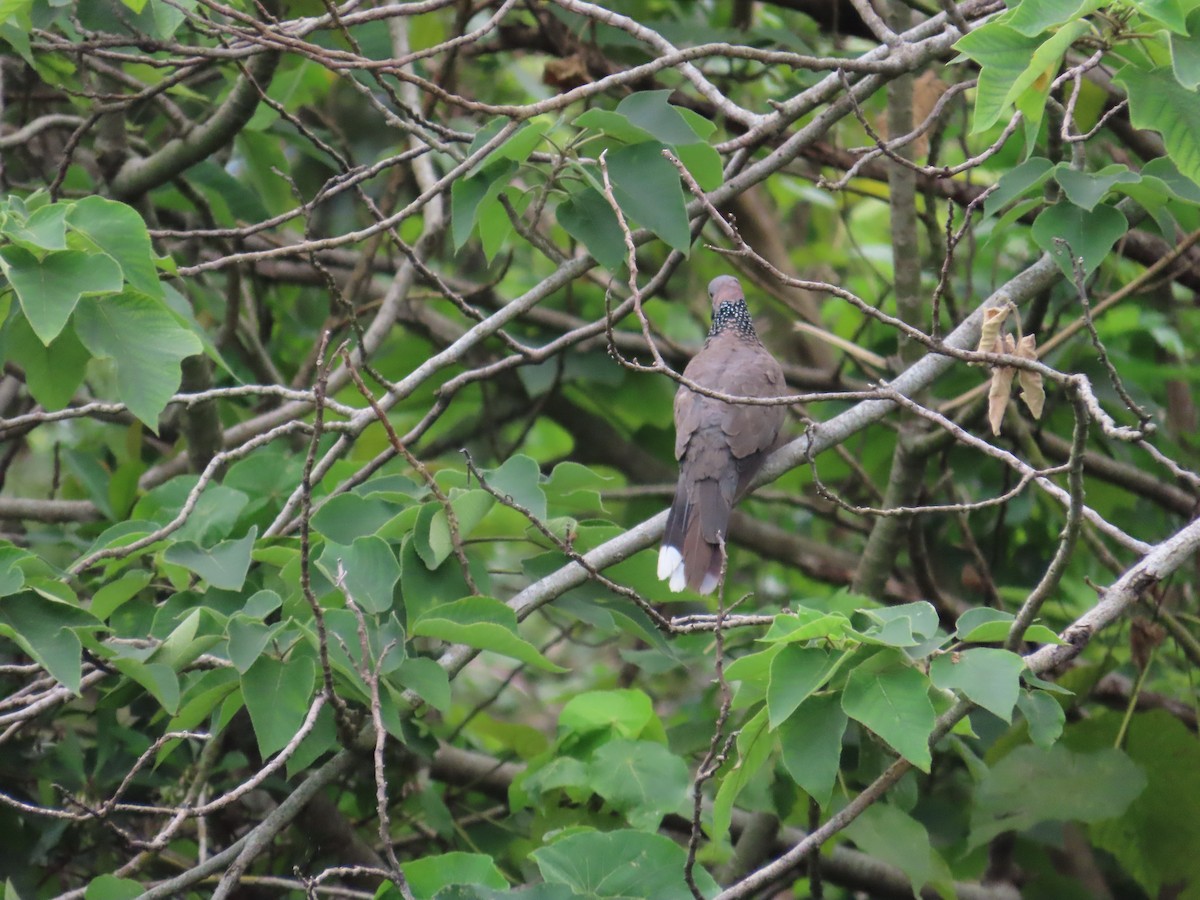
{"points": [[734, 366]]}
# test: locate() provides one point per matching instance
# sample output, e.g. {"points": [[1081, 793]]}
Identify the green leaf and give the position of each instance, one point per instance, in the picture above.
{"points": [[804, 624], [650, 111], [906, 625], [1158, 101], [483, 623], [519, 145], [587, 217], [576, 486], [467, 195], [891, 835], [890, 697], [42, 628], [812, 745], [224, 566], [1004, 54], [1017, 182], [1043, 714], [45, 229], [1032, 17], [146, 344], [231, 200], [614, 125], [159, 680], [428, 875], [277, 695], [371, 571], [469, 509], [754, 745], [1086, 189], [520, 479], [495, 225], [1166, 172], [423, 589], [50, 288], [247, 640], [1033, 784], [53, 372], [12, 577], [262, 604], [345, 517], [988, 677], [626, 713], [427, 679], [110, 887], [983, 625], [620, 864], [182, 646], [647, 188], [705, 164], [642, 780], [119, 231], [795, 673], [1156, 837], [1088, 235], [1171, 13]]}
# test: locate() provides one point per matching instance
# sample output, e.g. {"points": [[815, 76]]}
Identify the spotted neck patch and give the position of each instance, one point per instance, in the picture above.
{"points": [[732, 315]]}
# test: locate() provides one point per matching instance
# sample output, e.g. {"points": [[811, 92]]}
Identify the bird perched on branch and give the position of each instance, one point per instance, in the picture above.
{"points": [[720, 445]]}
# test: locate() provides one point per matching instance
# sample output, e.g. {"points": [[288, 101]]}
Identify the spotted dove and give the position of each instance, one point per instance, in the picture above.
{"points": [[720, 445]]}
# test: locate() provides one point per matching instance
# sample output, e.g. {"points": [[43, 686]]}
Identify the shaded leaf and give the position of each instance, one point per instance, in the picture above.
{"points": [[1086, 189], [1043, 714], [50, 288], [890, 697], [483, 623], [277, 695], [988, 677], [795, 673], [620, 864], [647, 188], [588, 218], [1158, 101], [642, 780], [145, 343], [42, 628], [1034, 784], [1156, 837], [223, 566], [891, 835], [371, 571], [428, 875], [812, 745], [119, 231]]}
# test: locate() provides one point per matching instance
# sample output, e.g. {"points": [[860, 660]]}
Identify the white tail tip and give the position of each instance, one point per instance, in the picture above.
{"points": [[678, 578], [669, 559]]}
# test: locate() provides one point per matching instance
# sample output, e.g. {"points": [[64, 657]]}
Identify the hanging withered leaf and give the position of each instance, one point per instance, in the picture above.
{"points": [[1032, 391], [1144, 637], [1001, 386], [993, 321], [566, 73]]}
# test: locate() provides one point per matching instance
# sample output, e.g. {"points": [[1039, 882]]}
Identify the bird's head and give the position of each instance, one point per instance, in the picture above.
{"points": [[724, 289]]}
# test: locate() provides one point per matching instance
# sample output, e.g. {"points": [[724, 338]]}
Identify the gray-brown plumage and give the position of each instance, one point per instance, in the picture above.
{"points": [[720, 446]]}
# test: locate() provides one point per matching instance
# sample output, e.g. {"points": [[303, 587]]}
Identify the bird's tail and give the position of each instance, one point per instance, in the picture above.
{"points": [[693, 547]]}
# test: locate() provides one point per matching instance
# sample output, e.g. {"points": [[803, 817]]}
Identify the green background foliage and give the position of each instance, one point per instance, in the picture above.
{"points": [[338, 351]]}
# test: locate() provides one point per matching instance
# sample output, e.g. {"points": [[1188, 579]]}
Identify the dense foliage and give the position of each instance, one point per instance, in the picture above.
{"points": [[339, 352]]}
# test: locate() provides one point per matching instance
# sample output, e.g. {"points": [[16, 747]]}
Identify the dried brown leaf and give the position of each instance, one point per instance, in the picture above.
{"points": [[1144, 637], [566, 73], [1032, 391], [993, 320], [998, 395]]}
